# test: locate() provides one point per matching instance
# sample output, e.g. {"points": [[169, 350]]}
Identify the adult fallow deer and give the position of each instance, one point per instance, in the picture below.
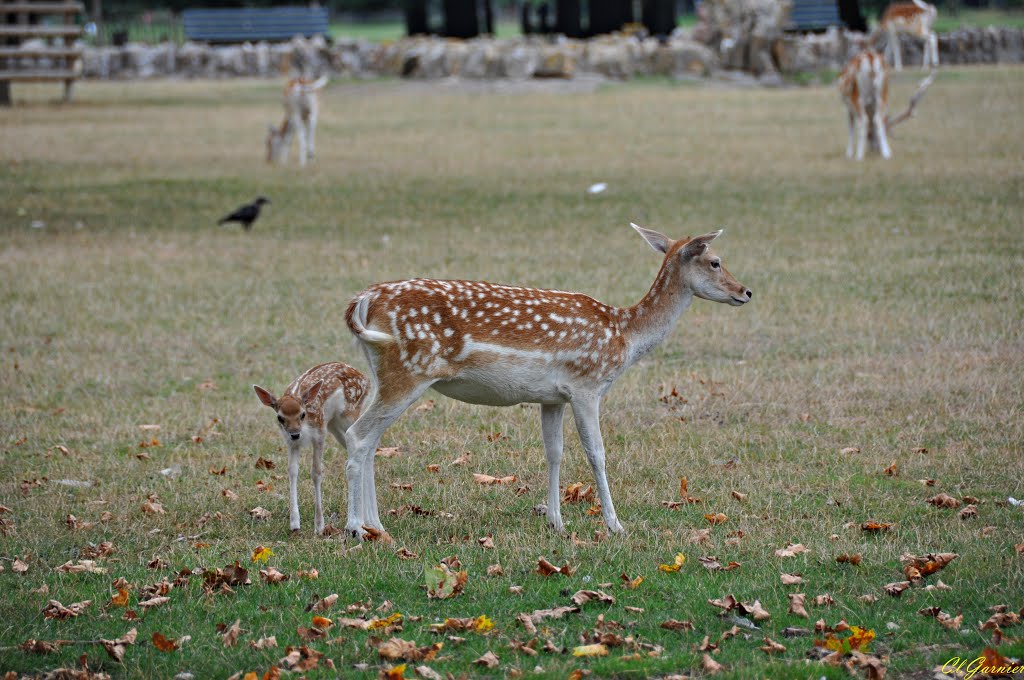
{"points": [[497, 345]]}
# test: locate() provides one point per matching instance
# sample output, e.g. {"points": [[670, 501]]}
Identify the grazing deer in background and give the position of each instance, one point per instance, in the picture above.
{"points": [[325, 398], [300, 113], [496, 345], [864, 87], [914, 18]]}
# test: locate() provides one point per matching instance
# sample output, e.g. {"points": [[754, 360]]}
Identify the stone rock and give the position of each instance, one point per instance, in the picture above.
{"points": [[555, 63], [191, 59], [483, 60], [684, 59], [520, 62], [610, 59]]}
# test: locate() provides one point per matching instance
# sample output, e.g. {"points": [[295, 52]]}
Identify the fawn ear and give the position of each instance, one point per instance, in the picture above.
{"points": [[698, 244], [266, 397], [310, 394], [654, 239]]}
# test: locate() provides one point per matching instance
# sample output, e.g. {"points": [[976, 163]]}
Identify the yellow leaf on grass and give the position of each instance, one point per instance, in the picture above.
{"points": [[384, 623], [394, 673], [629, 583], [322, 622], [675, 566], [482, 624], [598, 649], [262, 554], [716, 518]]}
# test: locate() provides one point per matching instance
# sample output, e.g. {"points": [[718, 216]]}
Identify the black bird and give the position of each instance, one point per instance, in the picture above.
{"points": [[247, 214]]}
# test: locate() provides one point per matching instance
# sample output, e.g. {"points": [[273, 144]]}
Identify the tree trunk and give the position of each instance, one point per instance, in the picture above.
{"points": [[607, 16], [849, 13], [659, 16], [416, 17], [488, 17], [568, 18], [460, 20]]}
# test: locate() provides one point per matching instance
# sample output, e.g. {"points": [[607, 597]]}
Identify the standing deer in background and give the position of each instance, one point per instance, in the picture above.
{"points": [[914, 18], [300, 113], [496, 345], [328, 397], [864, 87]]}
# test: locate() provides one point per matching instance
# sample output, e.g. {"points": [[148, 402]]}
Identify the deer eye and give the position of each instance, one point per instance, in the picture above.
{"points": [[303, 416], [715, 265], [280, 419]]}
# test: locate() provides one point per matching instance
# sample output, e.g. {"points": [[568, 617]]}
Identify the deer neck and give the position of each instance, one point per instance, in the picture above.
{"points": [[646, 323]]}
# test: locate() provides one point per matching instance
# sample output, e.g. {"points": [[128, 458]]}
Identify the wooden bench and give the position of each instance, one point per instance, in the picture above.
{"points": [[814, 15], [24, 20], [251, 24]]}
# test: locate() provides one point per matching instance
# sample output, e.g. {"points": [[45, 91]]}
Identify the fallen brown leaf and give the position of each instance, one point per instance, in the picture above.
{"points": [[791, 550], [581, 597], [847, 558], [55, 610], [896, 588], [488, 660], [117, 648], [716, 518], [488, 480], [796, 605], [231, 633], [943, 501], [711, 666], [545, 568]]}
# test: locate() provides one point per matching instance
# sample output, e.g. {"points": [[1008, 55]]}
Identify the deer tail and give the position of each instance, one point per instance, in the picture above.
{"points": [[356, 316]]}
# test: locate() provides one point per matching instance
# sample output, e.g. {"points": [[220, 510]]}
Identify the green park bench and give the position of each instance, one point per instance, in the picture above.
{"points": [[252, 24]]}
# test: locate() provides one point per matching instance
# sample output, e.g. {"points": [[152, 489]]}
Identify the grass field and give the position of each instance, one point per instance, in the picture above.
{"points": [[886, 326]]}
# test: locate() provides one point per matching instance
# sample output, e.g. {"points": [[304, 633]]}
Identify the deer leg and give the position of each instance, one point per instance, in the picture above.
{"points": [[878, 123], [303, 142], [312, 136], [588, 424], [894, 43], [851, 133], [294, 449], [862, 135], [361, 440], [318, 473], [932, 48], [551, 429]]}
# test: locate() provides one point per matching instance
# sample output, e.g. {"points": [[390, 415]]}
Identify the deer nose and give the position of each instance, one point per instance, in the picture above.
{"points": [[295, 435], [749, 293]]}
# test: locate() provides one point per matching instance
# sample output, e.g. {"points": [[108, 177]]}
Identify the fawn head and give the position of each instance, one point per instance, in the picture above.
{"points": [[703, 271], [291, 410]]}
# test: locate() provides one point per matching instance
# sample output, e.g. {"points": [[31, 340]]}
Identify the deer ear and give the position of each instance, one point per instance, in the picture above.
{"points": [[266, 397], [310, 394], [697, 245], [654, 239]]}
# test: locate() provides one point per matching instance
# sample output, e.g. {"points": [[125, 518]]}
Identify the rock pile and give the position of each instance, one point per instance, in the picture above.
{"points": [[762, 50]]}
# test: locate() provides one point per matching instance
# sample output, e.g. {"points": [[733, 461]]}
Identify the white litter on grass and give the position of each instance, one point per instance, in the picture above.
{"points": [[77, 483], [172, 471], [1014, 502], [37, 224], [597, 188]]}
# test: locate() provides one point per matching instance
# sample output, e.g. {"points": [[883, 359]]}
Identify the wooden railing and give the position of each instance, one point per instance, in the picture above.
{"points": [[56, 23]]}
